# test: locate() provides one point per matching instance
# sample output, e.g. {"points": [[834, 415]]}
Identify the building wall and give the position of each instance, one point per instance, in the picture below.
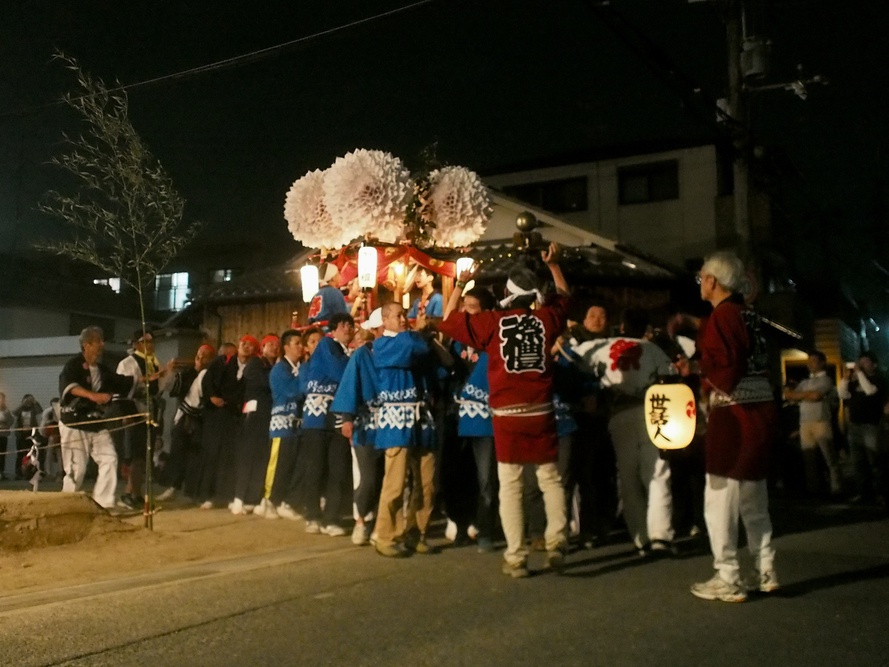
{"points": [[257, 320], [673, 230]]}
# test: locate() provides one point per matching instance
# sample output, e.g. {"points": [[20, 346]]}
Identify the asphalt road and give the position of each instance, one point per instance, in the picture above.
{"points": [[334, 604]]}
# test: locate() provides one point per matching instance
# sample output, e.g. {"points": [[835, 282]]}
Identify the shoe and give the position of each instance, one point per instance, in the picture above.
{"points": [[313, 527], [393, 551], [662, 548], [249, 508], [266, 510], [485, 545], [168, 494], [555, 560], [451, 531], [206, 505], [718, 588], [373, 539], [644, 551], [516, 571], [422, 547], [127, 501], [359, 535], [768, 582], [472, 532], [236, 507], [285, 511], [538, 544], [333, 530]]}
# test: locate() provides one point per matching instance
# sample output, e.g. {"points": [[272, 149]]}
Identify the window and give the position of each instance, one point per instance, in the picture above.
{"points": [[564, 196], [644, 183], [113, 283], [171, 291], [223, 275]]}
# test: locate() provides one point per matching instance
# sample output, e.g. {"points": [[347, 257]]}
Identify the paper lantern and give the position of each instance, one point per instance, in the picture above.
{"points": [[367, 267], [308, 276], [464, 264], [670, 415]]}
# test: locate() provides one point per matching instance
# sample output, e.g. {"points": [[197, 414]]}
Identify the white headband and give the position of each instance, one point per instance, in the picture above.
{"points": [[515, 292]]}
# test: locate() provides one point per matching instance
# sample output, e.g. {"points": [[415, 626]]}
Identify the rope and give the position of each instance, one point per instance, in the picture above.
{"points": [[131, 424]]}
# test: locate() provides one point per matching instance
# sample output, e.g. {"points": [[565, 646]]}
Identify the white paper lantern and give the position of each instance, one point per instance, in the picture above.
{"points": [[670, 415], [464, 264], [308, 277], [367, 267]]}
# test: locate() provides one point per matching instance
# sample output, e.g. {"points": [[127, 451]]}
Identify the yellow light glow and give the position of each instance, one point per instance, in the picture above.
{"points": [[670, 415]]}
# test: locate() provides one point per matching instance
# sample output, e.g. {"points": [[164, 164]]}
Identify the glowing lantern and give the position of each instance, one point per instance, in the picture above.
{"points": [[308, 276], [367, 267], [464, 264], [670, 415]]}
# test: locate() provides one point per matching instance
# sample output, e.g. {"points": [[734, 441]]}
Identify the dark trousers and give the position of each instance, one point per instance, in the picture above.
{"points": [[328, 467], [215, 477], [182, 469], [287, 484], [370, 479], [594, 471], [252, 458], [4, 443], [488, 486]]}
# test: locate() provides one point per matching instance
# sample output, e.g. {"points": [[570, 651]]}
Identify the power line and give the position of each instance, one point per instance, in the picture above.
{"points": [[234, 61]]}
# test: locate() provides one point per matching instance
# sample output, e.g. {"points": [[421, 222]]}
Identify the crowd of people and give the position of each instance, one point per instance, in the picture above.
{"points": [[505, 416]]}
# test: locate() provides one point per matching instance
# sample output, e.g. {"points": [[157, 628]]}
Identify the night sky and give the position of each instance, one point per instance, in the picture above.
{"points": [[494, 83]]}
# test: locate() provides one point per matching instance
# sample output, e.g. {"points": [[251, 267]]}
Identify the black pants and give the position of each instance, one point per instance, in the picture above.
{"points": [[594, 470], [287, 485], [216, 474], [182, 470], [252, 458], [328, 467], [370, 479], [488, 485]]}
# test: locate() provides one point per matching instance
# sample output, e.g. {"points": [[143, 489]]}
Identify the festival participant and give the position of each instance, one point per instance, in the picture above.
{"points": [[628, 365], [354, 402], [741, 430], [311, 337], [141, 365], [518, 340], [396, 387], [429, 304], [223, 395], [185, 438], [253, 447], [85, 386], [283, 485], [325, 448], [328, 300], [474, 423], [6, 423]]}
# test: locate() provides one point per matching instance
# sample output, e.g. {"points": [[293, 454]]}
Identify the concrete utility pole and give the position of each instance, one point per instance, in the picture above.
{"points": [[737, 108]]}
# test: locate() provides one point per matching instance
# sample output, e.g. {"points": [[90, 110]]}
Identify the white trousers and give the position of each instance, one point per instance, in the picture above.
{"points": [[644, 479], [77, 446], [512, 516], [725, 500]]}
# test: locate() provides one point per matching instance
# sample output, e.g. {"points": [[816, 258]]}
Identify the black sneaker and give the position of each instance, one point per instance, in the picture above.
{"points": [[127, 501]]}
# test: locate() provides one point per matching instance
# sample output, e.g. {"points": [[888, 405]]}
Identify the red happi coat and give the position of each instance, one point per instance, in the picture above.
{"points": [[520, 372], [743, 421]]}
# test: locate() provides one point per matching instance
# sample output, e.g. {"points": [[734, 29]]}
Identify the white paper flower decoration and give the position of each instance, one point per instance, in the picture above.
{"points": [[308, 217], [460, 206], [368, 192]]}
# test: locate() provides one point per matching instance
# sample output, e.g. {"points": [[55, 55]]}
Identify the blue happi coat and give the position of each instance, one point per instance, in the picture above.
{"points": [[284, 382], [356, 395], [474, 411], [319, 378]]}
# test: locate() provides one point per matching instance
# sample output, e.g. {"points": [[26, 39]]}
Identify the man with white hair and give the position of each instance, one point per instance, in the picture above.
{"points": [[86, 386], [741, 428]]}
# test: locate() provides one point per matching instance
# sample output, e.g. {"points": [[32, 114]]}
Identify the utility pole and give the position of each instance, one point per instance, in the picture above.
{"points": [[737, 109]]}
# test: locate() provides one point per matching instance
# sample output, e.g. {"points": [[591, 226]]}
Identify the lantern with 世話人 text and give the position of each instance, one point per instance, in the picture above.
{"points": [[308, 277], [367, 267], [670, 415]]}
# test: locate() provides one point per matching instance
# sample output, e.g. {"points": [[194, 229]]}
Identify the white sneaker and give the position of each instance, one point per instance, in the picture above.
{"points": [[313, 527], [718, 588], [451, 531], [249, 508], [359, 535], [236, 507], [266, 510], [333, 530], [285, 511], [168, 494], [207, 505]]}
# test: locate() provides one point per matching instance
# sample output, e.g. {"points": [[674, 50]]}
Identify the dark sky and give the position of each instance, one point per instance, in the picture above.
{"points": [[493, 82]]}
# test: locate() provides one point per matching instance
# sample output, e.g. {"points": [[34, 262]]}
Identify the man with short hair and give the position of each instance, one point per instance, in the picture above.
{"points": [[518, 341], [328, 300], [86, 386], [817, 398]]}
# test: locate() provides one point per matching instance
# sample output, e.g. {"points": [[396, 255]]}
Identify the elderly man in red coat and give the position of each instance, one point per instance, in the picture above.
{"points": [[520, 371], [741, 429]]}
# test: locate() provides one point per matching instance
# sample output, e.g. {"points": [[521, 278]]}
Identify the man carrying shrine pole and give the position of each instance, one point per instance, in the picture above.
{"points": [[520, 371]]}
